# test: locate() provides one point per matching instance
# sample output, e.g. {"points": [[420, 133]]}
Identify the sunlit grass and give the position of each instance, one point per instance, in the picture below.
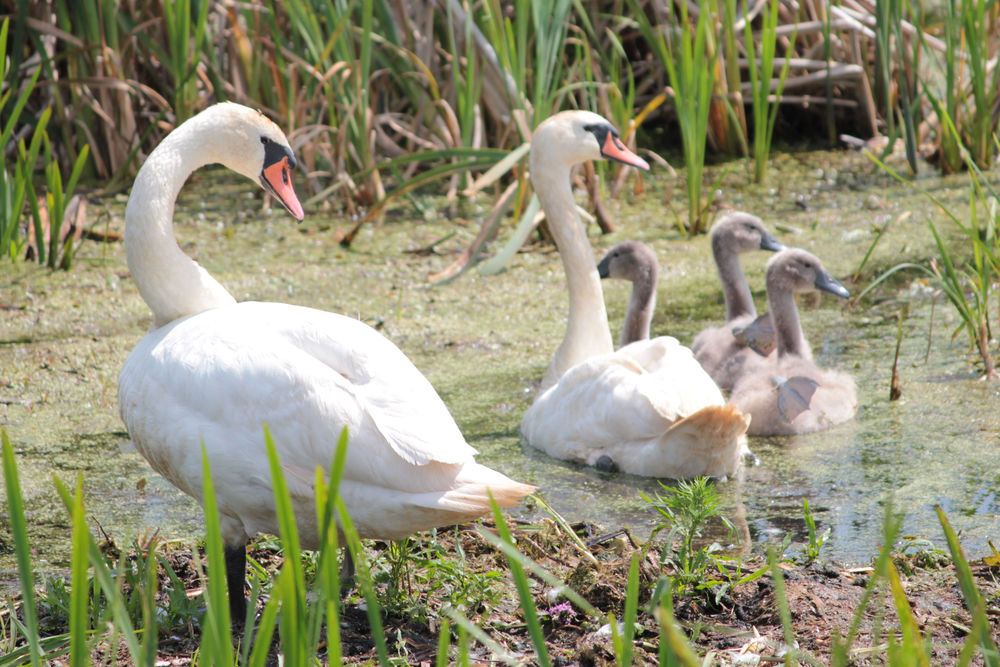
{"points": [[105, 604], [968, 271], [763, 86], [359, 84], [683, 51]]}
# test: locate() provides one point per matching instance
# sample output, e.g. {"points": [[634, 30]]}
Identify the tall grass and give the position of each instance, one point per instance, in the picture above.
{"points": [[684, 53], [303, 611], [14, 184], [980, 21], [185, 23], [360, 83], [968, 271], [895, 91], [765, 112], [966, 90]]}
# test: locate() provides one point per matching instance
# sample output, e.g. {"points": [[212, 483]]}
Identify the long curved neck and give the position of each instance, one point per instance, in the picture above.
{"points": [[587, 333], [739, 301], [785, 318], [171, 283], [639, 314]]}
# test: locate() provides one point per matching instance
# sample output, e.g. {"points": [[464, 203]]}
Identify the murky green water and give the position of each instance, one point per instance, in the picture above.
{"points": [[485, 342]]}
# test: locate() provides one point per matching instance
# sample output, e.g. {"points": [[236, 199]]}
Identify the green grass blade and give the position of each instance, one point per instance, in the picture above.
{"points": [[216, 638], [523, 591], [909, 627], [428, 176], [631, 611], [295, 640], [19, 532], [480, 636], [364, 579], [107, 582], [444, 641], [328, 575], [79, 565], [674, 649], [496, 263], [266, 626], [973, 599], [511, 552], [781, 596]]}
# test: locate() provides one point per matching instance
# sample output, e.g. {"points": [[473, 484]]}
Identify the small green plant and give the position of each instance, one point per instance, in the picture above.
{"points": [[688, 508], [410, 572], [48, 222], [731, 575], [919, 553], [816, 540]]}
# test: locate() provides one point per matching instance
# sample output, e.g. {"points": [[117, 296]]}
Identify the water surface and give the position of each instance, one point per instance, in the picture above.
{"points": [[484, 342]]}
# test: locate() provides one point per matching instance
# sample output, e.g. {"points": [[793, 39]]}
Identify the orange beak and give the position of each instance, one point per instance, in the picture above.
{"points": [[614, 149], [277, 179]]}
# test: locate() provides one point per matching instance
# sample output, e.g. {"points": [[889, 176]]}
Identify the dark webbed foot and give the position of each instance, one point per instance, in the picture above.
{"points": [[606, 464], [347, 572]]}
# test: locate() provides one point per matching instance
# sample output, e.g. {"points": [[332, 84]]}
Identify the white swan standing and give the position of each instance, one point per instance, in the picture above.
{"points": [[213, 371], [649, 407], [789, 393], [635, 262], [723, 351]]}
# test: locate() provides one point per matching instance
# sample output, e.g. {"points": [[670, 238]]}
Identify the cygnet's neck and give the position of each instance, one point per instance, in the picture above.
{"points": [[641, 305], [735, 290], [172, 284], [785, 319], [587, 333]]}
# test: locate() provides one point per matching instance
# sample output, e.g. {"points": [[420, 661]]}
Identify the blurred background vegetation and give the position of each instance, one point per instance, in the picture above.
{"points": [[381, 97]]}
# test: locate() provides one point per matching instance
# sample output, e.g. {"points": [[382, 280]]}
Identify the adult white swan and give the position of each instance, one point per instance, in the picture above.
{"points": [[212, 371], [649, 408]]}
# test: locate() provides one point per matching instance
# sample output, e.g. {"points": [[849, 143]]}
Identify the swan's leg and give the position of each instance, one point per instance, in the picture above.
{"points": [[236, 566], [347, 572]]}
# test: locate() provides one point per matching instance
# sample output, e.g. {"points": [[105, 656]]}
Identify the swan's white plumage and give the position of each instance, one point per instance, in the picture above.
{"points": [[629, 405], [649, 406], [212, 371]]}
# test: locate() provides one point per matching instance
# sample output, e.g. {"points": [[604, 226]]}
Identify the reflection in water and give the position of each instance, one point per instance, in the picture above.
{"points": [[937, 445]]}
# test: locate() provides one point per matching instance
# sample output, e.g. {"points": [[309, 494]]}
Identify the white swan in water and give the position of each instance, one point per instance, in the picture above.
{"points": [[789, 393], [212, 371], [649, 408], [724, 351]]}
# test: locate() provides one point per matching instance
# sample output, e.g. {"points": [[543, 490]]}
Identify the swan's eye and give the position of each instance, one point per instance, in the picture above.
{"points": [[265, 141]]}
